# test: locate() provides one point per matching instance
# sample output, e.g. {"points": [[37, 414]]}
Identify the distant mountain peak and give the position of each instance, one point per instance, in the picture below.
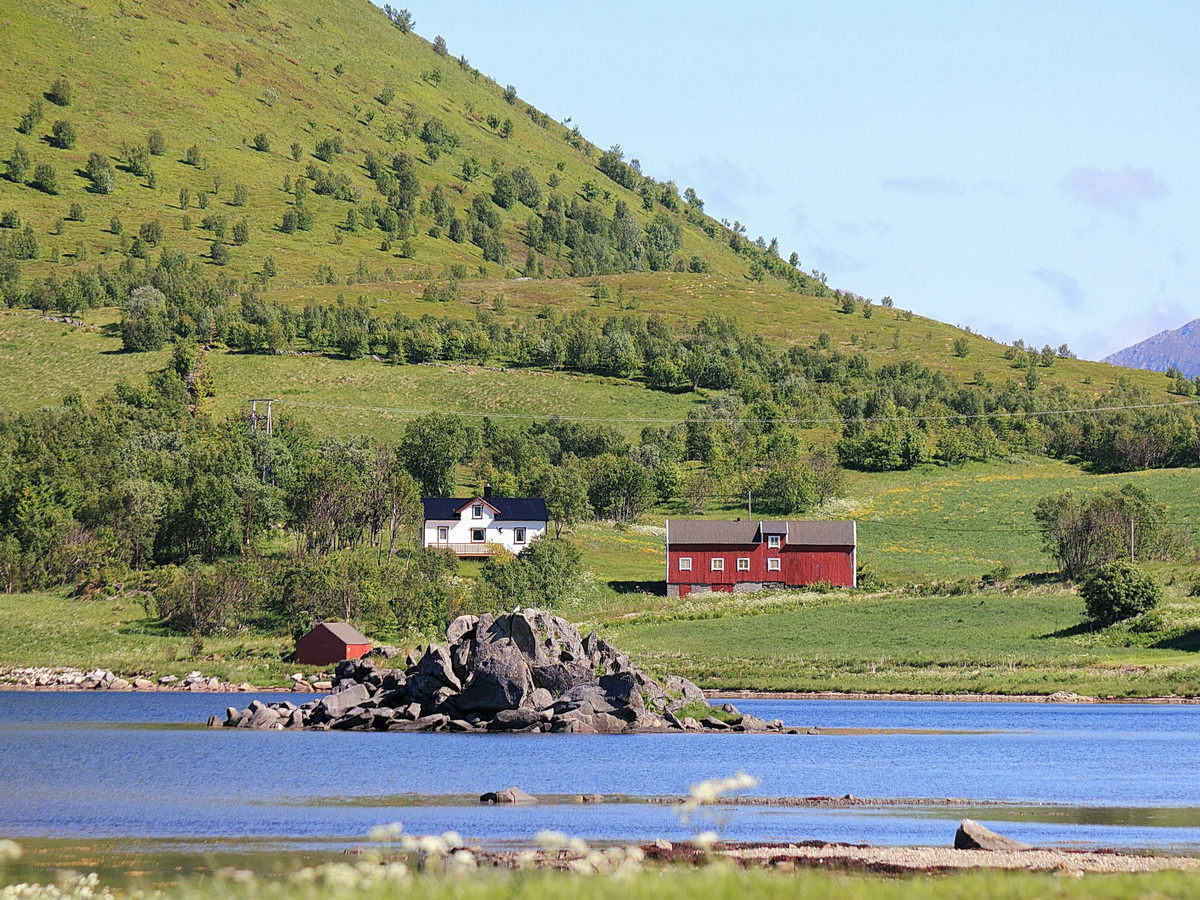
{"points": [[1178, 348]]}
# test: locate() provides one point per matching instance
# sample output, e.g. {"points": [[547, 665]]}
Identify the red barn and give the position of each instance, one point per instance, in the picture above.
{"points": [[329, 643], [750, 556]]}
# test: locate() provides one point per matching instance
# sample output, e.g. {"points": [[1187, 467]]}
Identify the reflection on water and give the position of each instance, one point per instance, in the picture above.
{"points": [[93, 764]]}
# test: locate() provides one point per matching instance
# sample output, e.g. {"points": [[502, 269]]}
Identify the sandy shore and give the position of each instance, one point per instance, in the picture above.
{"points": [[944, 859]]}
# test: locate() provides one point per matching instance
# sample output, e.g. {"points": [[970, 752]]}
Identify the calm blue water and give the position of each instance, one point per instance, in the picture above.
{"points": [[140, 766]]}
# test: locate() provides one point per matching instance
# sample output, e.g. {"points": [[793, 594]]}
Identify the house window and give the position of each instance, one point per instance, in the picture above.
{"points": [[717, 564], [477, 535], [773, 565], [477, 511], [685, 564], [773, 541], [443, 534], [743, 564], [518, 535]]}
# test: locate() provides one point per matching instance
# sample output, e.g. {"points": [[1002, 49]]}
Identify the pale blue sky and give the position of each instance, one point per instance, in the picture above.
{"points": [[1024, 168]]}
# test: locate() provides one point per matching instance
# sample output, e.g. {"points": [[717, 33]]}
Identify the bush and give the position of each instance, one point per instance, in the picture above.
{"points": [[1117, 591], [262, 143], [77, 214], [18, 165], [100, 172], [60, 92], [32, 118], [45, 178], [63, 134], [219, 253], [156, 143]]}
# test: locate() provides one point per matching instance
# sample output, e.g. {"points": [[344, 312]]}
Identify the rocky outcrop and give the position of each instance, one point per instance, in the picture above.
{"points": [[104, 680], [973, 836], [526, 671]]}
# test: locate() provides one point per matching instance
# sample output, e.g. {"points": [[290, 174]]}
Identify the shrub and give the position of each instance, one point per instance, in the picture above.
{"points": [[45, 178], [63, 135], [32, 117], [192, 157], [10, 219], [77, 213], [18, 164], [151, 232], [60, 92], [156, 143], [297, 151], [219, 253], [241, 195], [262, 143], [1117, 591], [241, 232], [100, 173]]}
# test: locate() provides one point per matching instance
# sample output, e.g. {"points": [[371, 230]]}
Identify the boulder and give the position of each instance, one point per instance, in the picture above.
{"points": [[459, 628], [515, 719], [973, 836], [499, 679], [509, 795], [348, 697]]}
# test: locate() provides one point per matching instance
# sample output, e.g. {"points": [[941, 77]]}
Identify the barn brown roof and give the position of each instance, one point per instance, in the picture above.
{"points": [[345, 633], [815, 533]]}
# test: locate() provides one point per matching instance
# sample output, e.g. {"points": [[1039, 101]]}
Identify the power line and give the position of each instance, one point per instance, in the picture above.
{"points": [[412, 411]]}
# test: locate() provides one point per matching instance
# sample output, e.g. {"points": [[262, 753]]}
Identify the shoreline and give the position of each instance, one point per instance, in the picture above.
{"points": [[66, 678], [968, 697]]}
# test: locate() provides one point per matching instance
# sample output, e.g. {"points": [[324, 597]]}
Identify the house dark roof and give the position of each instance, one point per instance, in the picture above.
{"points": [[345, 633], [821, 533], [528, 509]]}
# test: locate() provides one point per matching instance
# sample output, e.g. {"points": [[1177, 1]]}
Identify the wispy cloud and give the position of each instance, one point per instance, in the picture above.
{"points": [[1064, 285], [1121, 192], [926, 186]]}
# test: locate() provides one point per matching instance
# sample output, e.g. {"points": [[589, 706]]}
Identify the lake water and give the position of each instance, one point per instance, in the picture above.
{"points": [[140, 766]]}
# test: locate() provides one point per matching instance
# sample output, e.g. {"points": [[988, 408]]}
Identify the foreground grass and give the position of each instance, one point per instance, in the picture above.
{"points": [[717, 882]]}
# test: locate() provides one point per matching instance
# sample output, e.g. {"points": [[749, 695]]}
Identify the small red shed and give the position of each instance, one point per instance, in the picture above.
{"points": [[753, 555], [331, 642]]}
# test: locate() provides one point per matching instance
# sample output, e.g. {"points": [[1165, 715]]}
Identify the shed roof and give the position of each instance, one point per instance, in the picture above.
{"points": [[344, 632], [814, 533], [529, 509]]}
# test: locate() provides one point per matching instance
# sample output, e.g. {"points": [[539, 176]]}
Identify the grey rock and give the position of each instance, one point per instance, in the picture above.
{"points": [[514, 719], [436, 663], [459, 628], [682, 692], [352, 695], [499, 679], [973, 836], [539, 698], [509, 795], [714, 723]]}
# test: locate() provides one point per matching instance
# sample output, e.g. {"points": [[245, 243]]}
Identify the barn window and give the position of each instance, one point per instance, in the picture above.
{"points": [[443, 533], [773, 541], [773, 565], [477, 511], [518, 535], [743, 564], [477, 535], [685, 564], [717, 564]]}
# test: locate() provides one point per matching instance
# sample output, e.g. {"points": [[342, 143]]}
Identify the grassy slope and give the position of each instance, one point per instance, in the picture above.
{"points": [[170, 65]]}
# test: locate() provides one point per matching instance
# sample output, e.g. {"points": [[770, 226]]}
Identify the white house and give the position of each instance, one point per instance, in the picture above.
{"points": [[476, 526]]}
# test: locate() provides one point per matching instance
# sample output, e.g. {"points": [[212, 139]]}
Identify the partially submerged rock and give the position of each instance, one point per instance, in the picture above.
{"points": [[973, 836], [509, 795], [526, 671]]}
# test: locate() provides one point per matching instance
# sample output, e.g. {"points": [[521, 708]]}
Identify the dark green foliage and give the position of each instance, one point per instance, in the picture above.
{"points": [[262, 143], [192, 157], [529, 192], [401, 18], [218, 253], [62, 135], [386, 96], [1117, 591], [510, 94], [23, 245], [241, 232], [45, 179], [151, 232], [32, 117], [269, 269], [433, 445], [1083, 533], [297, 151], [504, 192], [144, 326], [156, 143], [77, 213], [241, 195], [60, 92], [10, 219], [962, 347], [18, 164], [546, 574], [136, 159], [328, 148], [439, 46], [100, 173]]}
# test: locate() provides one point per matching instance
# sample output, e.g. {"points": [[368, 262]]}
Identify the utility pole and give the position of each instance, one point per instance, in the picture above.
{"points": [[267, 419]]}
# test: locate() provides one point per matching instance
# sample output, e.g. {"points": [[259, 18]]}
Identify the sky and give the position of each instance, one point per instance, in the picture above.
{"points": [[1027, 169]]}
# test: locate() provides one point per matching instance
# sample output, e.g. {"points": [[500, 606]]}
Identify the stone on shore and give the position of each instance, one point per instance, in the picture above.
{"points": [[973, 836]]}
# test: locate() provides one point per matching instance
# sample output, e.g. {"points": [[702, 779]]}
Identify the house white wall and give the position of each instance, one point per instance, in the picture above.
{"points": [[462, 530]]}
